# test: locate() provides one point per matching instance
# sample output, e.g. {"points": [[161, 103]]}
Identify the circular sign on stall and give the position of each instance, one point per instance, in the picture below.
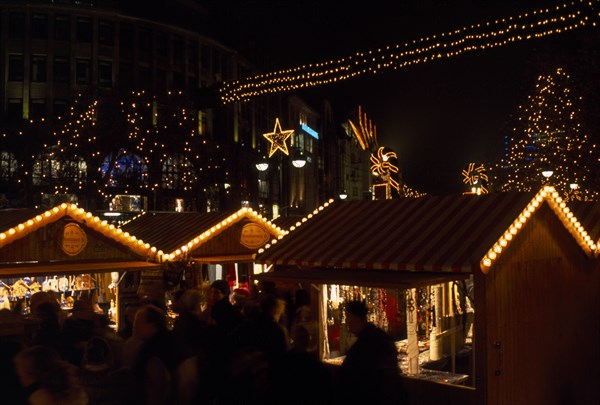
{"points": [[74, 239], [254, 236]]}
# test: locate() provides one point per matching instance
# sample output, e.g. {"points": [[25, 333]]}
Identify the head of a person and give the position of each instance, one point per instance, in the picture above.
{"points": [[149, 320], [272, 306], [97, 352], [356, 316], [219, 290], [300, 338], [239, 296], [44, 366]]}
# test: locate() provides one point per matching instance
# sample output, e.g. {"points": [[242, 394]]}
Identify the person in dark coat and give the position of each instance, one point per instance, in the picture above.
{"points": [[370, 372], [222, 312]]}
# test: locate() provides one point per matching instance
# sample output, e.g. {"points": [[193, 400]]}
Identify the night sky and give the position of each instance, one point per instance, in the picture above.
{"points": [[437, 116]]}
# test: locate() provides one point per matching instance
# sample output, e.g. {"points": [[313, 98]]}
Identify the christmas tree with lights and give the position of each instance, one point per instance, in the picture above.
{"points": [[548, 144]]}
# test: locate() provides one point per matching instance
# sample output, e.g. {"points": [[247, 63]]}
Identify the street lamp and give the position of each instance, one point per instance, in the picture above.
{"points": [[262, 165], [547, 173], [299, 160]]}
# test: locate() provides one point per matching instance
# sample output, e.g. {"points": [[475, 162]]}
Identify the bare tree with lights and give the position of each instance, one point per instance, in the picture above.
{"points": [[549, 145]]}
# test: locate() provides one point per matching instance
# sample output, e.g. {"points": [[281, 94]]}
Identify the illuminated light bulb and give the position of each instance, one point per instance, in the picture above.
{"points": [[497, 248], [73, 207], [38, 218], [55, 210], [518, 225], [183, 249], [492, 255], [12, 231], [21, 227], [30, 222], [487, 262], [569, 215], [503, 242], [119, 231], [513, 230], [260, 251], [63, 205]]}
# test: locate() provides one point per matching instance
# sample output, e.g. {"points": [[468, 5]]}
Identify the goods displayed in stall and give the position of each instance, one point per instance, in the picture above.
{"points": [[393, 310]]}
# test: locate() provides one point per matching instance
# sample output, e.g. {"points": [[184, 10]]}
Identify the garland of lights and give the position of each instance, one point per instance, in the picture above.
{"points": [[501, 32]]}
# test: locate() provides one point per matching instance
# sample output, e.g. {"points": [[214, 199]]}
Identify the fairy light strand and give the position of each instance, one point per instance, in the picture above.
{"points": [[492, 34]]}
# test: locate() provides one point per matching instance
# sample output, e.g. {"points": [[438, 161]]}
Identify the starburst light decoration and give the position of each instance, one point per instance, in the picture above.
{"points": [[278, 138], [475, 177], [383, 167]]}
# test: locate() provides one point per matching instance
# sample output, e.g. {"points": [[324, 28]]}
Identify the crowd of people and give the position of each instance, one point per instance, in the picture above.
{"points": [[257, 348]]}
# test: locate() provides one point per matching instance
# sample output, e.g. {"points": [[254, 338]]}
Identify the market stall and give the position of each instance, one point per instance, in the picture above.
{"points": [[518, 266], [70, 252], [198, 248]]}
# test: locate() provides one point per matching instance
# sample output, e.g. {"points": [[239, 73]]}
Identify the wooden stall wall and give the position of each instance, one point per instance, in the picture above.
{"points": [[542, 343], [45, 245]]}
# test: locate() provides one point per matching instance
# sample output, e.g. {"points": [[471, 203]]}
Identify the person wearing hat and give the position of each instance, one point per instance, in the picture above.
{"points": [[370, 372]]}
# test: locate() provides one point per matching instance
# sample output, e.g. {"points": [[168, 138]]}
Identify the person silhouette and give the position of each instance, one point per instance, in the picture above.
{"points": [[370, 372]]}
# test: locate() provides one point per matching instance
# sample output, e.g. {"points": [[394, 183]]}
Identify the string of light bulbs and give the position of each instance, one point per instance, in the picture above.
{"points": [[492, 34]]}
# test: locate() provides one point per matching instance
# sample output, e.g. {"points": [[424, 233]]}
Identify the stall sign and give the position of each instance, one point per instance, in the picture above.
{"points": [[74, 239], [254, 236]]}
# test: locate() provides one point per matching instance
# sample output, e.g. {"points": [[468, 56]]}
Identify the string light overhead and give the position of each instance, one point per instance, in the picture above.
{"points": [[482, 36]]}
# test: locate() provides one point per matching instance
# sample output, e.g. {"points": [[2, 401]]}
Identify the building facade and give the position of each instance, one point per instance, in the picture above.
{"points": [[106, 105]]}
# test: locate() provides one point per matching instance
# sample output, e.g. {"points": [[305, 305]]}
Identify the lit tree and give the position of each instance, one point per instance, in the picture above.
{"points": [[549, 136]]}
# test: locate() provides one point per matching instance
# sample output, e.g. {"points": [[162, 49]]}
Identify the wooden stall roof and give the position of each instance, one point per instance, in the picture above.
{"points": [[588, 213], [175, 233], [17, 224], [287, 222], [461, 233]]}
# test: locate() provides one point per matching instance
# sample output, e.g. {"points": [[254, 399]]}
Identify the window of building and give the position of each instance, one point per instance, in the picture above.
{"points": [[178, 82], [39, 26], [37, 108], [83, 71], [105, 73], [145, 77], [16, 25], [193, 57], [161, 44], [125, 168], [145, 44], [38, 68], [50, 167], [84, 29], [202, 121], [106, 32], [125, 75], [178, 56], [126, 41], [60, 108], [15, 68], [62, 28], [177, 172], [8, 166], [205, 59], [161, 81], [61, 70], [14, 109]]}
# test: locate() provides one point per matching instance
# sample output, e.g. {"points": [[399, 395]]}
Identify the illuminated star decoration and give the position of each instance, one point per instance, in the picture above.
{"points": [[278, 138]]}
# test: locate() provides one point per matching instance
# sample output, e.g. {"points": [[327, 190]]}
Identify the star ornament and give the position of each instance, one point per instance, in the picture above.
{"points": [[278, 138]]}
